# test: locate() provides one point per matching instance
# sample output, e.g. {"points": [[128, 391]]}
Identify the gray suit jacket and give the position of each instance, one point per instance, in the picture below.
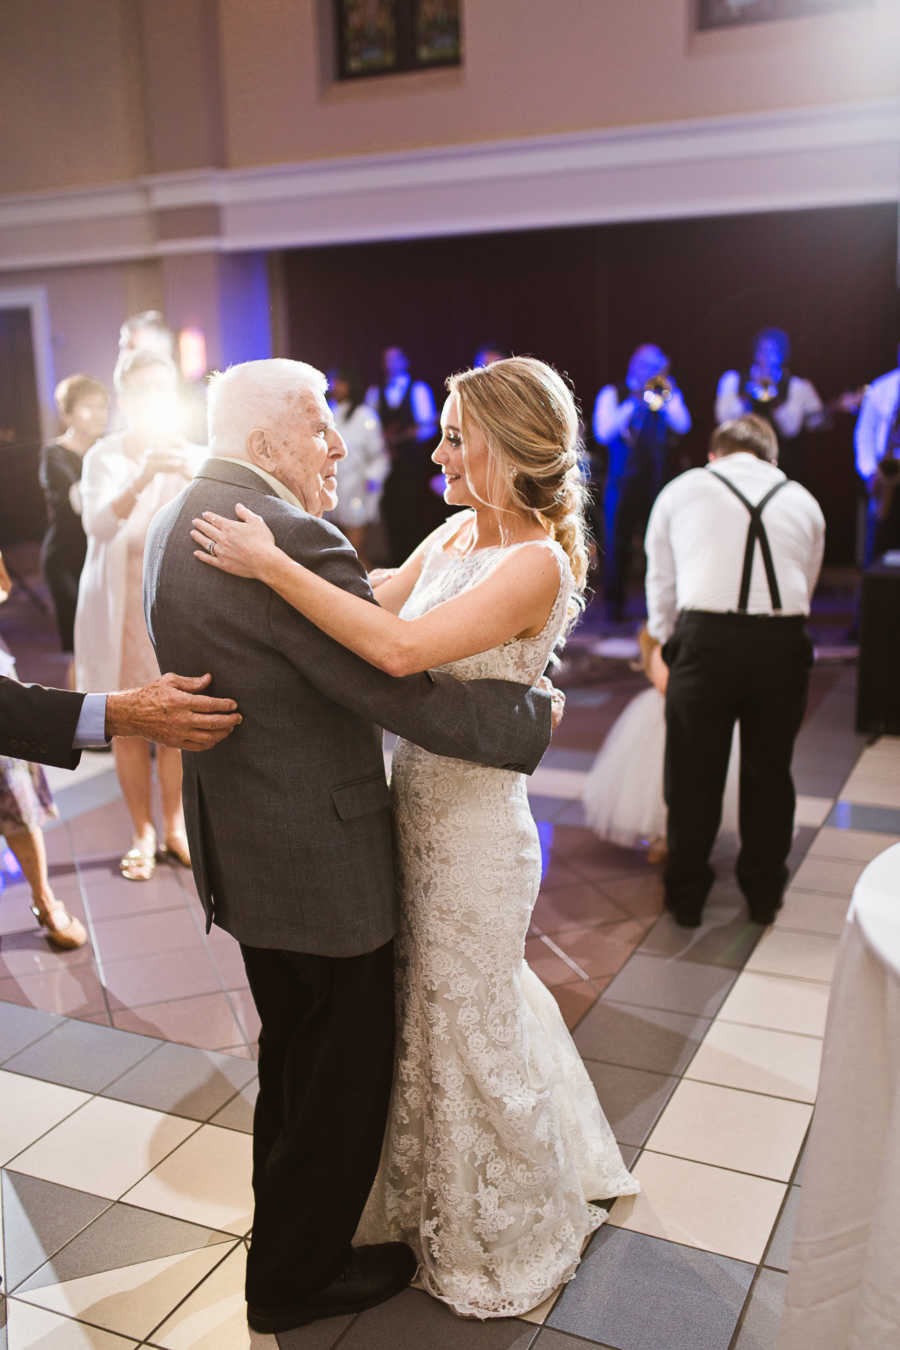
{"points": [[289, 817]]}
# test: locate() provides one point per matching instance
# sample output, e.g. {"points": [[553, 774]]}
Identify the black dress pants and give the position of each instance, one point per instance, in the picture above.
{"points": [[727, 668], [326, 1053]]}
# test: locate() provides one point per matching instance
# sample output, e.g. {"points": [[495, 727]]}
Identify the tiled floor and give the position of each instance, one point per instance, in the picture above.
{"points": [[127, 1076]]}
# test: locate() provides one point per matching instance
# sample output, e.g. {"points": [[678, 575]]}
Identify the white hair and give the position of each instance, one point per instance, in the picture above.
{"points": [[255, 394]]}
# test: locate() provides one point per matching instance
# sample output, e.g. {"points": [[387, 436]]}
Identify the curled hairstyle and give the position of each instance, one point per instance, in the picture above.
{"points": [[752, 434], [73, 389], [133, 360], [529, 419]]}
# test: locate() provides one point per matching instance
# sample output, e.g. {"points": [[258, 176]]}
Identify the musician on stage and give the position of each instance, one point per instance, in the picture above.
{"points": [[877, 443], [770, 389], [639, 421]]}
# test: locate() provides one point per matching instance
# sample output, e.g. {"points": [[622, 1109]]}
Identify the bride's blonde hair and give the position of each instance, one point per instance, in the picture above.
{"points": [[530, 422]]}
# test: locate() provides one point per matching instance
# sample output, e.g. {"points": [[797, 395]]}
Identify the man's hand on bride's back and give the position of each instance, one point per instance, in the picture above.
{"points": [[557, 700]]}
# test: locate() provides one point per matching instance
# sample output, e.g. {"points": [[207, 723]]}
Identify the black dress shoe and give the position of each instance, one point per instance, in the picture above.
{"points": [[764, 912], [372, 1275], [686, 916]]}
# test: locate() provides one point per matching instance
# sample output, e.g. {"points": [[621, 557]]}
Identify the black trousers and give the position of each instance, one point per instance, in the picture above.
{"points": [[410, 508], [627, 505], [727, 668], [326, 1053]]}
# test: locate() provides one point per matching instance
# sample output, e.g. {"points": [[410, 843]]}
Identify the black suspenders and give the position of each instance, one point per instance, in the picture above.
{"points": [[756, 531]]}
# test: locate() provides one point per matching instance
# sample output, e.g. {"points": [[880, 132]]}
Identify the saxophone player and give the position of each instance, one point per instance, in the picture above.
{"points": [[769, 388], [877, 445], [638, 421]]}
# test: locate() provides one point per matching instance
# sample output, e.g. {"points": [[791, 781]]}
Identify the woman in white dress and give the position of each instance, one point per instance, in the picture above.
{"points": [[127, 477], [361, 475], [623, 793], [496, 1144]]}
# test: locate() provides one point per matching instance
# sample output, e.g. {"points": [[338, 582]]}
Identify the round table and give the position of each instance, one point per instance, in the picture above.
{"points": [[843, 1288]]}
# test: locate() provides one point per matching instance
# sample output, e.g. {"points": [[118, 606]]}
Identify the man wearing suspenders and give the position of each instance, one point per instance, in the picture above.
{"points": [[733, 554]]}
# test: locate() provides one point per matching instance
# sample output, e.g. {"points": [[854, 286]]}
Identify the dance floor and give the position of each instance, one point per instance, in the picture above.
{"points": [[127, 1074]]}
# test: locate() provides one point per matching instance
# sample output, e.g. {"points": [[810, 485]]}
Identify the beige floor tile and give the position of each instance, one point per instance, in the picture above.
{"points": [[215, 1315], [205, 1181], [828, 876], [699, 1206], [804, 956], [105, 1147], [727, 1128], [778, 1002], [30, 1107], [812, 811], [759, 1060], [30, 1328], [870, 788], [807, 912], [538, 1316], [856, 845], [133, 1299]]}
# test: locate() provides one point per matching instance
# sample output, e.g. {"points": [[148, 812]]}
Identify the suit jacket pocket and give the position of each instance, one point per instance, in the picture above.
{"points": [[361, 796]]}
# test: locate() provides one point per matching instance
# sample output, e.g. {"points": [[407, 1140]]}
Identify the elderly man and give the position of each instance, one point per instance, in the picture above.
{"points": [[731, 617], [290, 830]]}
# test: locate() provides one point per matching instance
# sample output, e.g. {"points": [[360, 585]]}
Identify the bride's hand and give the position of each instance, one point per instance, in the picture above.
{"points": [[557, 700], [243, 547]]}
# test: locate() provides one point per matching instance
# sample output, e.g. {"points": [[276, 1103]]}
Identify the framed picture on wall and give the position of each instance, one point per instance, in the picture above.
{"points": [[386, 37], [732, 13]]}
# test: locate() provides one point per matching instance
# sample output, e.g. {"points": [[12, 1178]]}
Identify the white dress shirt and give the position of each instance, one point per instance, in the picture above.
{"points": [[611, 417], [801, 408], [697, 535], [873, 424]]}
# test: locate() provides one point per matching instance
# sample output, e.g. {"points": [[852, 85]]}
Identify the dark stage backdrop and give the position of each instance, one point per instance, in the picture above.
{"points": [[583, 298]]}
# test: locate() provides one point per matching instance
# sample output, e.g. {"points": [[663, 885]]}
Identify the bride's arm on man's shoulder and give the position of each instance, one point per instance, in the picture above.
{"points": [[513, 599]]}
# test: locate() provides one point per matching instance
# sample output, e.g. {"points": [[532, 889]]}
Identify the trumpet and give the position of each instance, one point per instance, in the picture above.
{"points": [[763, 390], [657, 392]]}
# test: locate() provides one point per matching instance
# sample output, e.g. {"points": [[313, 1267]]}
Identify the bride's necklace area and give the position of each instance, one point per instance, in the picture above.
{"points": [[464, 543]]}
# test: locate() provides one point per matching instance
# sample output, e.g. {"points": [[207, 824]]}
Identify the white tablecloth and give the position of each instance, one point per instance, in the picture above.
{"points": [[844, 1284]]}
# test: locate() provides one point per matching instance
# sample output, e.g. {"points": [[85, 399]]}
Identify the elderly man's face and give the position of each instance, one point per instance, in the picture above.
{"points": [[303, 454]]}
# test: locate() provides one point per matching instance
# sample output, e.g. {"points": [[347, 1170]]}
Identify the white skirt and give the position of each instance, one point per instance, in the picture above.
{"points": [[623, 795]]}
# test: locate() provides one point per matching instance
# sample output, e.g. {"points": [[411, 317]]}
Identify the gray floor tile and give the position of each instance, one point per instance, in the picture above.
{"points": [[675, 984], [849, 816], [641, 1038], [82, 1055], [561, 1340], [316, 1336], [797, 1178], [725, 938], [759, 1330], [631, 1098], [183, 1081], [571, 814], [414, 1321], [778, 1254], [39, 1217], [21, 1026], [124, 1235], [562, 758], [2, 1323], [641, 1293], [238, 1113]]}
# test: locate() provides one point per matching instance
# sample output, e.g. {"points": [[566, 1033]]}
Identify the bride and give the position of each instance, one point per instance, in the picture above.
{"points": [[496, 1144]]}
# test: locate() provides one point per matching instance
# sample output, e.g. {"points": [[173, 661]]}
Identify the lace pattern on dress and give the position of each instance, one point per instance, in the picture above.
{"points": [[496, 1143]]}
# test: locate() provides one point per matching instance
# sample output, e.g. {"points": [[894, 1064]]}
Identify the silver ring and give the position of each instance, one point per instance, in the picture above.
{"points": [[211, 548]]}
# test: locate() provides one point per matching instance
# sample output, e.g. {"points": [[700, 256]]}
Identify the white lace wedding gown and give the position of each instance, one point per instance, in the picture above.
{"points": [[496, 1142]]}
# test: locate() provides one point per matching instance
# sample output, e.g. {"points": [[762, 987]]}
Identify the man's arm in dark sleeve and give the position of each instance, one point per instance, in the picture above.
{"points": [[38, 724], [493, 722]]}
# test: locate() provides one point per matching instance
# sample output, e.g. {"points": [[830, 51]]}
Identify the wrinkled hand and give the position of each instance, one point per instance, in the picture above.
{"points": [[242, 547], [172, 711], [557, 700], [657, 670]]}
